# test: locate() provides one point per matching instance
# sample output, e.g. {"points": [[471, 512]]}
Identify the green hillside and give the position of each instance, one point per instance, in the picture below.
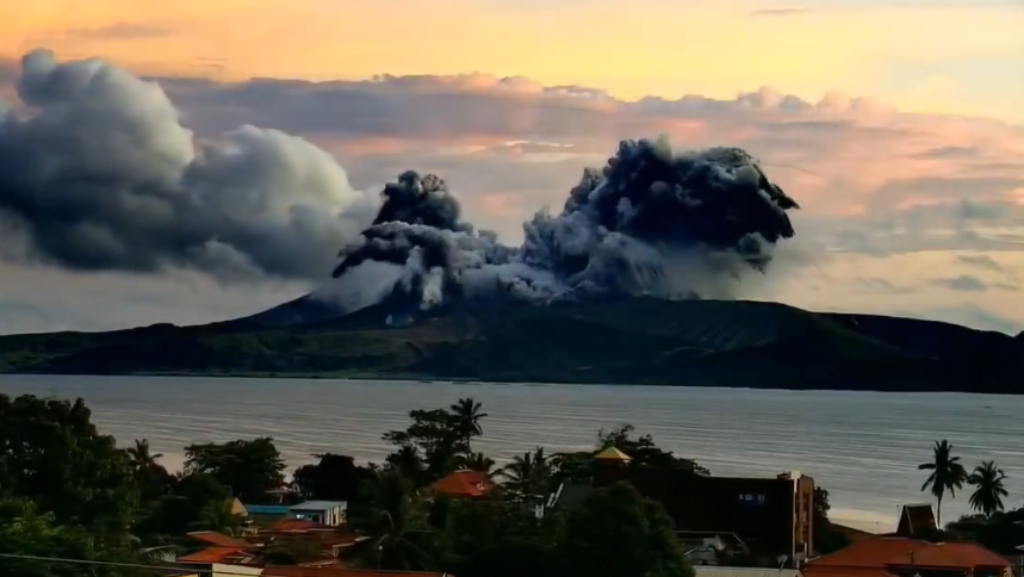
{"points": [[638, 341]]}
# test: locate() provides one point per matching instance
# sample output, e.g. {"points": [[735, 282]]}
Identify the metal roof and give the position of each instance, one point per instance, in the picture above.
{"points": [[318, 505], [267, 509], [720, 571]]}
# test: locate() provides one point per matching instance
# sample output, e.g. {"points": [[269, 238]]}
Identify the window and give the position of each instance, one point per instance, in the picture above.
{"points": [[752, 498]]}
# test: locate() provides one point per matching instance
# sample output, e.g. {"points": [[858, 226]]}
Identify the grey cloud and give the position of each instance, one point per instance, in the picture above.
{"points": [[980, 261], [965, 283], [951, 152], [102, 176]]}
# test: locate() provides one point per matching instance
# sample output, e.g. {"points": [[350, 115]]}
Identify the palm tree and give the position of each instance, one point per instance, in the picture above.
{"points": [[528, 476], [989, 490], [140, 455], [220, 516], [396, 522], [466, 415], [477, 462], [947, 474]]}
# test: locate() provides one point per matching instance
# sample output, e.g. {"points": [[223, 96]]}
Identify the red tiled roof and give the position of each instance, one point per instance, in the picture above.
{"points": [[296, 525], [211, 555], [293, 571], [464, 484], [217, 539], [809, 571], [886, 552], [949, 555], [869, 553]]}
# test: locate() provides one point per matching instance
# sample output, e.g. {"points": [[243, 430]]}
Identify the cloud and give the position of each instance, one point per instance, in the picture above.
{"points": [[100, 175], [964, 282], [980, 261], [882, 191], [779, 12], [120, 31]]}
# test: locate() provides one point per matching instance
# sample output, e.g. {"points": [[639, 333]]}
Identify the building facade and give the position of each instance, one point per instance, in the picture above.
{"points": [[773, 517]]}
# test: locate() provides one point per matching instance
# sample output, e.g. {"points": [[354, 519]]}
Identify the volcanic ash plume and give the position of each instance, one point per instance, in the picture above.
{"points": [[98, 174], [648, 223]]}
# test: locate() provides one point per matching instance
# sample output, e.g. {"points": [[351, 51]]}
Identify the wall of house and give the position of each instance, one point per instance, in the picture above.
{"points": [[332, 517], [762, 512], [220, 570]]}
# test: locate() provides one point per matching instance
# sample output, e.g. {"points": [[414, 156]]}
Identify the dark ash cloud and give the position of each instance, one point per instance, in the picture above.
{"points": [[100, 175], [650, 222]]}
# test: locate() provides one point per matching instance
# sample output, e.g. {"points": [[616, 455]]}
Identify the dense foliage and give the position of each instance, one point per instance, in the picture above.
{"points": [[66, 490]]}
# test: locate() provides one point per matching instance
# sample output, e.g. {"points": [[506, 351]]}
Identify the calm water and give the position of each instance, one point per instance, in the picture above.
{"points": [[863, 447]]}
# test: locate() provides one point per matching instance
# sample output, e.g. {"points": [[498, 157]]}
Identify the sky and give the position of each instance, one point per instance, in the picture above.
{"points": [[898, 126]]}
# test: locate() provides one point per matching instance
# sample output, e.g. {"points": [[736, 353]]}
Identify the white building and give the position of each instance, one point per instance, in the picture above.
{"points": [[330, 513]]}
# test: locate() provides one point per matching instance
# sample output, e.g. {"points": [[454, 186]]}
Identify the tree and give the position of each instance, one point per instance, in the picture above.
{"points": [[442, 438], [52, 455], [617, 533], [466, 415], [989, 488], [477, 462], [249, 469], [333, 478], [191, 498], [152, 478], [947, 474], [643, 452], [528, 476], [396, 521], [826, 538], [27, 532], [578, 467], [220, 516], [409, 463]]}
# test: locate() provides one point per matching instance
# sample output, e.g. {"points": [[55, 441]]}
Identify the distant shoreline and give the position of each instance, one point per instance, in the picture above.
{"points": [[471, 382]]}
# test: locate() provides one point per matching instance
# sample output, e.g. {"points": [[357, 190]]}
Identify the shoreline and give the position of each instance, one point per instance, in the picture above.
{"points": [[465, 381]]}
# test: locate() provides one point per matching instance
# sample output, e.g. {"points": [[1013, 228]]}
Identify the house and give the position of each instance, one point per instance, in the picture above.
{"points": [[329, 513], [772, 515], [266, 515], [710, 571], [916, 521], [219, 570], [215, 539], [294, 571], [464, 484], [218, 548], [220, 555], [905, 557]]}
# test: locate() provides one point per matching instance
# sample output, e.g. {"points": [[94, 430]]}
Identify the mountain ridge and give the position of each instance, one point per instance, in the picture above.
{"points": [[643, 341]]}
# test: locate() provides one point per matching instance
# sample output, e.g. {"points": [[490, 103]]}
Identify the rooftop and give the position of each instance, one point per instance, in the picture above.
{"points": [[464, 484], [887, 552], [612, 454], [211, 555], [293, 571], [217, 539], [318, 505], [267, 509], [296, 526], [721, 571]]}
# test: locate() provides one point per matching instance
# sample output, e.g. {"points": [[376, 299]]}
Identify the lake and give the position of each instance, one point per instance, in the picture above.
{"points": [[863, 447]]}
